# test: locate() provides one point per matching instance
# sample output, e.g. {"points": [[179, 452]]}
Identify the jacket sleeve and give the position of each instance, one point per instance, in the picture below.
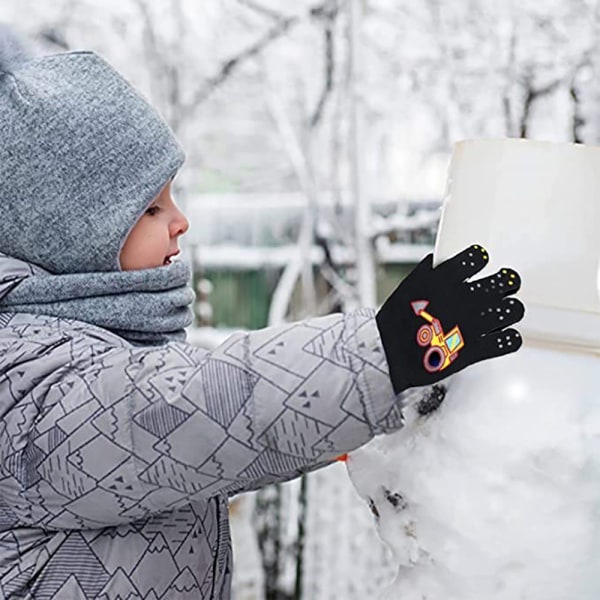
{"points": [[120, 433]]}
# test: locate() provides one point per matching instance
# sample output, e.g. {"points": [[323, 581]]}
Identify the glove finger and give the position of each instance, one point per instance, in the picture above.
{"points": [[503, 283], [425, 266], [486, 346], [497, 343], [508, 312], [463, 265]]}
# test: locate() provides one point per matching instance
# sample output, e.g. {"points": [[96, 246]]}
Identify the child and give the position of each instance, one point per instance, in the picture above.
{"points": [[120, 443]]}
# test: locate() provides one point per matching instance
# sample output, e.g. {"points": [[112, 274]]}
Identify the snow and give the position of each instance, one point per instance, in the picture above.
{"points": [[344, 557], [496, 492], [248, 579]]}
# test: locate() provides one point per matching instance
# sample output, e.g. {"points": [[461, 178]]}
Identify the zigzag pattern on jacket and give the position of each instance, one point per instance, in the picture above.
{"points": [[117, 461]]}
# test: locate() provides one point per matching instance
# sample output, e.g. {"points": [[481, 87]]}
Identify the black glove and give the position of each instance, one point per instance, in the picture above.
{"points": [[436, 322]]}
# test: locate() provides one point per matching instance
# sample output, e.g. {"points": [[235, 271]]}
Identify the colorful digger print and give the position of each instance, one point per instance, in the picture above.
{"points": [[443, 348]]}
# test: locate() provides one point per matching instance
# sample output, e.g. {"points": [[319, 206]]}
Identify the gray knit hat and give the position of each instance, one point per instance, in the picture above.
{"points": [[82, 154]]}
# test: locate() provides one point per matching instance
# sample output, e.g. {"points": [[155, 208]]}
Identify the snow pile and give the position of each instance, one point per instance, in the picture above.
{"points": [[496, 494], [343, 556]]}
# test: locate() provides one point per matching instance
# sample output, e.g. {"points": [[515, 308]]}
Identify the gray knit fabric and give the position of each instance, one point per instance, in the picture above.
{"points": [[149, 306], [82, 154]]}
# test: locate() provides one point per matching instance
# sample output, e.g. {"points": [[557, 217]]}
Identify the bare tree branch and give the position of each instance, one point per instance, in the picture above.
{"points": [[262, 10], [283, 26], [329, 22], [54, 36], [301, 263], [327, 10], [578, 120], [166, 80], [232, 64], [173, 72], [152, 46], [531, 95], [509, 68]]}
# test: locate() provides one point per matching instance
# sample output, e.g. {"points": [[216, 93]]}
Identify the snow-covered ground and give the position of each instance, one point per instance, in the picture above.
{"points": [[495, 494]]}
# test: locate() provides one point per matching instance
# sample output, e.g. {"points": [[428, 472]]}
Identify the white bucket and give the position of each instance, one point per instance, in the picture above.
{"points": [[536, 207]]}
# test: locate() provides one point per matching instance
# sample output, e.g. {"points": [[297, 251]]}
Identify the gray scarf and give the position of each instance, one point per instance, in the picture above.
{"points": [[150, 306]]}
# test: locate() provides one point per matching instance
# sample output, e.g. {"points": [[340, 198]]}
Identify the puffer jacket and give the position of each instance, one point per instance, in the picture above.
{"points": [[117, 461]]}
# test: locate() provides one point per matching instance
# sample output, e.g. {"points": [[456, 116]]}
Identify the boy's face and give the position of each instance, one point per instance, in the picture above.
{"points": [[153, 241]]}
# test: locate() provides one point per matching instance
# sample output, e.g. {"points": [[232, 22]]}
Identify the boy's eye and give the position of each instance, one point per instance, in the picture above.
{"points": [[152, 210]]}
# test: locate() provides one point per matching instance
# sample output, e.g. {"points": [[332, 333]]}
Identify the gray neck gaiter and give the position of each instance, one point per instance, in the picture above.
{"points": [[149, 306]]}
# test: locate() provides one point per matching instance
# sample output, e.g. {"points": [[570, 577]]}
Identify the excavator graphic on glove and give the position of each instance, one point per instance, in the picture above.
{"points": [[442, 348], [438, 321]]}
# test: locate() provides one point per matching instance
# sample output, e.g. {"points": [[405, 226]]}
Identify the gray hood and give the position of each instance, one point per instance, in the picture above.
{"points": [[82, 154]]}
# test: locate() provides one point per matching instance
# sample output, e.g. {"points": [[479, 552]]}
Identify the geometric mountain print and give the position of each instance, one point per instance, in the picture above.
{"points": [[116, 461]]}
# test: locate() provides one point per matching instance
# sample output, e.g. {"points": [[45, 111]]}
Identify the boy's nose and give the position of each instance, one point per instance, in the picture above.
{"points": [[180, 224]]}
